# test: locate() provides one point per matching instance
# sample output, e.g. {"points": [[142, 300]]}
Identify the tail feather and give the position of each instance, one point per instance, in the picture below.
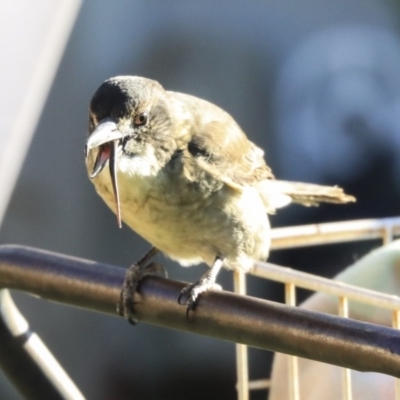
{"points": [[309, 194]]}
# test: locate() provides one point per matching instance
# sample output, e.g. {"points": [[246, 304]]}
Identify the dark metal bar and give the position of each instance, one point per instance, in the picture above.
{"points": [[243, 319], [61, 278]]}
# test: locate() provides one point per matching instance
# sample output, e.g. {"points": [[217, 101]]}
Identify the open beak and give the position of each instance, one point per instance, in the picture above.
{"points": [[106, 139]]}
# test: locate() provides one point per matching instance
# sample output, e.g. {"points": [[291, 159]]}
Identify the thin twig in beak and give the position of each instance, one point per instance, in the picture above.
{"points": [[114, 180]]}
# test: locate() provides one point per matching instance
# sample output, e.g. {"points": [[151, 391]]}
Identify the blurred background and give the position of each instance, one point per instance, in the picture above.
{"points": [[315, 83]]}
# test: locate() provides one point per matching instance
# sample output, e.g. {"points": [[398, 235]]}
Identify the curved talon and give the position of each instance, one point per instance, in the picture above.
{"points": [[179, 299], [190, 307], [191, 301]]}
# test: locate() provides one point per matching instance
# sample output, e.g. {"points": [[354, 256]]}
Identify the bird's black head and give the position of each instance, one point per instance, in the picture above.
{"points": [[125, 98], [130, 108]]}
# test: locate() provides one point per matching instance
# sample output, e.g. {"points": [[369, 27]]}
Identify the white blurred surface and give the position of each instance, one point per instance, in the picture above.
{"points": [[33, 35]]}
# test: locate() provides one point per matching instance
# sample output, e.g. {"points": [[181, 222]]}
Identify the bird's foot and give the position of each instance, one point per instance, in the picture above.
{"points": [[134, 274], [206, 282], [189, 294]]}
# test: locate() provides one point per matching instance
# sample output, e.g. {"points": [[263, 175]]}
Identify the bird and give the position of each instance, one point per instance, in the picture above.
{"points": [[181, 173]]}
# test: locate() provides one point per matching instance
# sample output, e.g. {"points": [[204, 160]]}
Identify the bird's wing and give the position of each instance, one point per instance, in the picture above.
{"points": [[217, 145], [223, 150]]}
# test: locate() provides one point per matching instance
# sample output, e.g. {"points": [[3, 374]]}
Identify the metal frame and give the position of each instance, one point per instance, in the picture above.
{"points": [[223, 315], [317, 234]]}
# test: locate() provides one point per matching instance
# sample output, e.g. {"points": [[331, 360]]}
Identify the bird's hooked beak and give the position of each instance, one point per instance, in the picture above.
{"points": [[106, 138]]}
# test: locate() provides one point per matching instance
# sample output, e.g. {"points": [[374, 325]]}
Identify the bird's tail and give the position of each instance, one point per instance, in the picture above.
{"points": [[309, 194], [278, 194]]}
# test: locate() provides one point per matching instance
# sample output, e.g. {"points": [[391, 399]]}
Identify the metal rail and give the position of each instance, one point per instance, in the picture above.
{"points": [[335, 232], [241, 319], [319, 234], [325, 285]]}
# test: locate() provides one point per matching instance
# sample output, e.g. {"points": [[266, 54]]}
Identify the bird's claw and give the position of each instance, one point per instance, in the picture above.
{"points": [[134, 274], [192, 292]]}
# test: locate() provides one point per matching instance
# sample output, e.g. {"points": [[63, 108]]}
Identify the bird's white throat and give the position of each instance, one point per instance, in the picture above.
{"points": [[142, 164]]}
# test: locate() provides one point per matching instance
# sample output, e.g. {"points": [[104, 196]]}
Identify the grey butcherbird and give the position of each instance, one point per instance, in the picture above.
{"points": [[184, 176]]}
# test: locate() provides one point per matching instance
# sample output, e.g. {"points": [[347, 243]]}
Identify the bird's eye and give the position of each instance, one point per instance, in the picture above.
{"points": [[141, 119]]}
